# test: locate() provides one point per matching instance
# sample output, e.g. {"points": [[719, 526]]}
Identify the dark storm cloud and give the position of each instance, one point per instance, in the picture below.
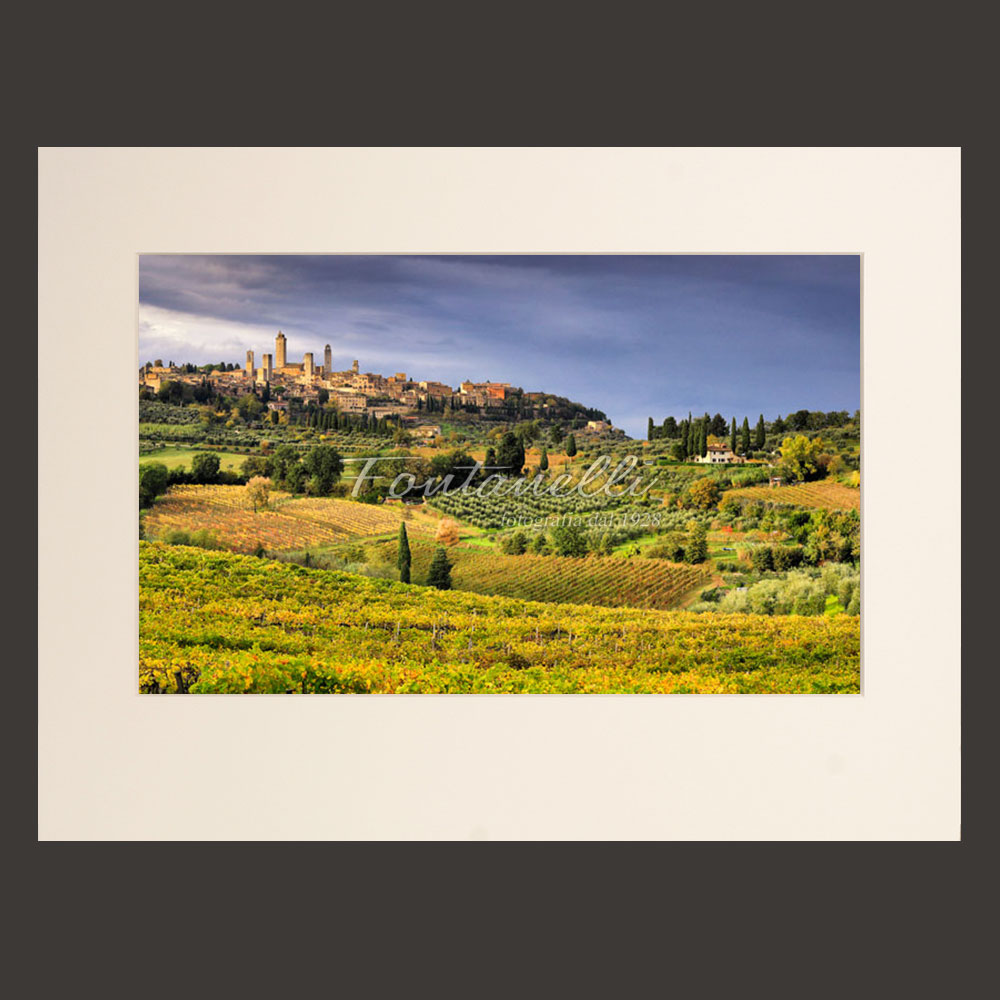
{"points": [[636, 336]]}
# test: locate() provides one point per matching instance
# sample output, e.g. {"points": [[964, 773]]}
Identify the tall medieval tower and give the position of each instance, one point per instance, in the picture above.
{"points": [[327, 360], [279, 350], [307, 365], [250, 364]]}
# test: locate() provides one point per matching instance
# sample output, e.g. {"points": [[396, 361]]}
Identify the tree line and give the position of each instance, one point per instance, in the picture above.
{"points": [[691, 436], [800, 420]]}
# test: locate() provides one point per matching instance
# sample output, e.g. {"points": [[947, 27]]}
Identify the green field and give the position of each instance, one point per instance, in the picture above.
{"points": [[174, 458]]}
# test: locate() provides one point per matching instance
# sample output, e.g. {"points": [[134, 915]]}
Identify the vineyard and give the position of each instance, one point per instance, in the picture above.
{"points": [[288, 524], [489, 512], [214, 622], [825, 495], [607, 581]]}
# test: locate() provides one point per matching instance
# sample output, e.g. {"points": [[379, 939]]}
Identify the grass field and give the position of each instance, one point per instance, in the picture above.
{"points": [[822, 495], [174, 458], [214, 622]]}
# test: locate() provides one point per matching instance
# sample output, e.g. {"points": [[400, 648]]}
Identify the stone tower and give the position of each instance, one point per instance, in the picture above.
{"points": [[354, 367], [327, 360], [250, 364], [307, 365], [266, 367], [279, 350]]}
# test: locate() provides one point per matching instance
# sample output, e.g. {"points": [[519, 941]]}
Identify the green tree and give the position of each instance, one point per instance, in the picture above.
{"points": [[696, 546], [457, 464], [543, 460], [403, 555], [670, 427], [257, 465], [323, 465], [800, 457], [745, 437], [285, 459], [569, 540], [510, 454], [650, 430], [571, 445], [718, 427], [760, 434], [529, 430], [249, 407], [205, 467], [732, 436], [556, 434], [704, 493], [153, 477], [439, 575]]}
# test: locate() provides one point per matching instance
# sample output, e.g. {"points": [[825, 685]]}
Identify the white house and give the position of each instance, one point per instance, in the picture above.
{"points": [[719, 454]]}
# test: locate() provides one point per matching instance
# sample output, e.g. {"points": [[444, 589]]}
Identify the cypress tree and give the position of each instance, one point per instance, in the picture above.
{"points": [[543, 461], [403, 556], [439, 574], [703, 439], [649, 430], [745, 437], [760, 435], [571, 445], [732, 437]]}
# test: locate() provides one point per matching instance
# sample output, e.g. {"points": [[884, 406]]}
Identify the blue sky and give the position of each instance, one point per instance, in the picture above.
{"points": [[635, 336]]}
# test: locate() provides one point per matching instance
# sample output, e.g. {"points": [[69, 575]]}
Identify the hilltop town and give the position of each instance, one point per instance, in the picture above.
{"points": [[282, 384]]}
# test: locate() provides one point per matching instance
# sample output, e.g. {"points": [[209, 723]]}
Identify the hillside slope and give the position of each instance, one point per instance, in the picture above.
{"points": [[218, 622], [610, 582]]}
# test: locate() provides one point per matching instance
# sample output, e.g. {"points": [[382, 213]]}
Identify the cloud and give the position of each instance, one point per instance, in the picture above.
{"points": [[626, 334]]}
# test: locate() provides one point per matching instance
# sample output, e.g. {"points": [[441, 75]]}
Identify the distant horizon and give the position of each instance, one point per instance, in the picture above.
{"points": [[635, 336]]}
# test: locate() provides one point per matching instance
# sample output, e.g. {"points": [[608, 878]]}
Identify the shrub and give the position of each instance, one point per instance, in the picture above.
{"points": [[514, 545], [540, 544], [786, 557], [762, 558], [447, 532]]}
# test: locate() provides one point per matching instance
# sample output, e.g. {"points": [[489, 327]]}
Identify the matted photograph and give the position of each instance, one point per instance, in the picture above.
{"points": [[499, 474]]}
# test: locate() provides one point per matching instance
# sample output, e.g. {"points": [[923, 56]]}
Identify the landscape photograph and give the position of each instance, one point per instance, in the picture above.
{"points": [[499, 474]]}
